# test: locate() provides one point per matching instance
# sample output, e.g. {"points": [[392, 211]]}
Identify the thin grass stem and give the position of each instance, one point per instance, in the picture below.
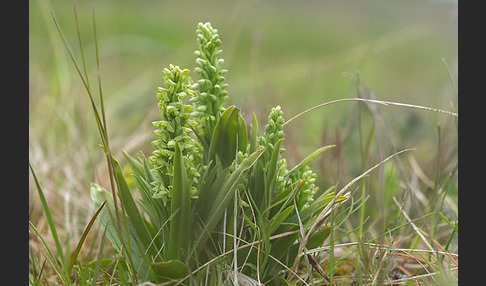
{"points": [[451, 76], [59, 269], [81, 49], [382, 102], [50, 220], [417, 230], [249, 244], [98, 259]]}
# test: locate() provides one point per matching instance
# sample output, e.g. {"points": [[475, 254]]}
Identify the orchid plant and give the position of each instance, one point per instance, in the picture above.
{"points": [[213, 190]]}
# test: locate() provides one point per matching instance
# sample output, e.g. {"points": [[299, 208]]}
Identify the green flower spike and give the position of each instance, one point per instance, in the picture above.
{"points": [[210, 90], [266, 180], [175, 125], [273, 132], [308, 189]]}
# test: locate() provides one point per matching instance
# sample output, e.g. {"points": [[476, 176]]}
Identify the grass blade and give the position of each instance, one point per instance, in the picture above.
{"points": [[278, 219], [382, 102], [50, 258], [447, 221], [50, 221], [75, 254], [101, 127], [98, 260], [454, 230], [100, 121], [451, 76]]}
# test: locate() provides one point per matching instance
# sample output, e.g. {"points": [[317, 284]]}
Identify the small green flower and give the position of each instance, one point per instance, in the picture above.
{"points": [[175, 125], [210, 90]]}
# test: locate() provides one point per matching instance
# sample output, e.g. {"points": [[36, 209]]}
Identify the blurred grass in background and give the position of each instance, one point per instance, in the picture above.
{"points": [[295, 54]]}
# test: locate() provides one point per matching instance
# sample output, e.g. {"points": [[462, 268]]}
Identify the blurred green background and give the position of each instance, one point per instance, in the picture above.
{"points": [[296, 54]]}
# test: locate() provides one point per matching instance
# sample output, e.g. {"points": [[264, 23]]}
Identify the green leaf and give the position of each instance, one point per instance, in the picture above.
{"points": [[210, 191], [229, 136], [271, 174], [99, 260], [146, 189], [103, 263], [277, 220], [170, 270], [99, 195], [180, 208], [136, 165], [118, 240], [216, 208], [242, 133], [282, 281], [317, 239], [284, 194], [310, 158], [143, 235], [254, 133], [153, 208], [292, 223], [316, 207]]}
